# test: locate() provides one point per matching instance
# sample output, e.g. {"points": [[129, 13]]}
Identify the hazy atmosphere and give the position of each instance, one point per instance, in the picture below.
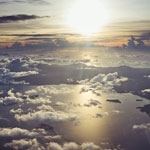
{"points": [[74, 75]]}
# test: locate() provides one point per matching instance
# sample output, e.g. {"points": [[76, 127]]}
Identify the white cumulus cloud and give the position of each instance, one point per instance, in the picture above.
{"points": [[46, 117]]}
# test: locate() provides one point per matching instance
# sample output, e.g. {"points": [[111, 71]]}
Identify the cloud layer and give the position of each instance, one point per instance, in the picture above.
{"points": [[24, 1], [33, 144]]}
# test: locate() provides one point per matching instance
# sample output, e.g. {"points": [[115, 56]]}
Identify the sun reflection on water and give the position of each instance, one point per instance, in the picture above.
{"points": [[102, 122], [91, 127]]}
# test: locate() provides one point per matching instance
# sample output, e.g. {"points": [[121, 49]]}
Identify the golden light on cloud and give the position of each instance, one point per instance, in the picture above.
{"points": [[87, 16]]}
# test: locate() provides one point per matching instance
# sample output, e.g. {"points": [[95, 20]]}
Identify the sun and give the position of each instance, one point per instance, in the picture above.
{"points": [[87, 16]]}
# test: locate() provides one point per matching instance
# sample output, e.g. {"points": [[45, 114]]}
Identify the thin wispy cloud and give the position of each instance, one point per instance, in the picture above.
{"points": [[28, 35], [24, 1]]}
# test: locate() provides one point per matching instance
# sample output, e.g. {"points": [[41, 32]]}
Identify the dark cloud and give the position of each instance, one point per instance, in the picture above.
{"points": [[145, 108], [134, 43], [39, 35], [51, 44], [114, 101], [19, 17], [32, 35], [36, 39], [92, 102]]}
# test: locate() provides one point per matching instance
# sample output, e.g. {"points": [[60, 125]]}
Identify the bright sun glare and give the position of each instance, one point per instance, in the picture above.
{"points": [[87, 16]]}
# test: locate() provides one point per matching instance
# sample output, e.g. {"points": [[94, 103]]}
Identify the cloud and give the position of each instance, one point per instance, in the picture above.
{"points": [[60, 104], [134, 43], [116, 112], [16, 132], [92, 102], [13, 82], [40, 98], [36, 99], [16, 18], [29, 35], [11, 99], [22, 74], [22, 64], [43, 2], [114, 101], [145, 108], [53, 138], [44, 107], [147, 76], [1, 92], [89, 146], [146, 91], [102, 82], [72, 146], [109, 79], [54, 146], [24, 1], [7, 74], [66, 146], [99, 115], [69, 80], [25, 144], [41, 95], [33, 144], [47, 91], [51, 44], [46, 117], [110, 113], [17, 68], [17, 111], [142, 127]]}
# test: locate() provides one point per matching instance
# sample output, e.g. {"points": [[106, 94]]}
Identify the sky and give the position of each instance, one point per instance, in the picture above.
{"points": [[74, 22]]}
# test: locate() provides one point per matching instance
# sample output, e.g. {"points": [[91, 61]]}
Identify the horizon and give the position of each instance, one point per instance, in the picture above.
{"points": [[51, 21]]}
